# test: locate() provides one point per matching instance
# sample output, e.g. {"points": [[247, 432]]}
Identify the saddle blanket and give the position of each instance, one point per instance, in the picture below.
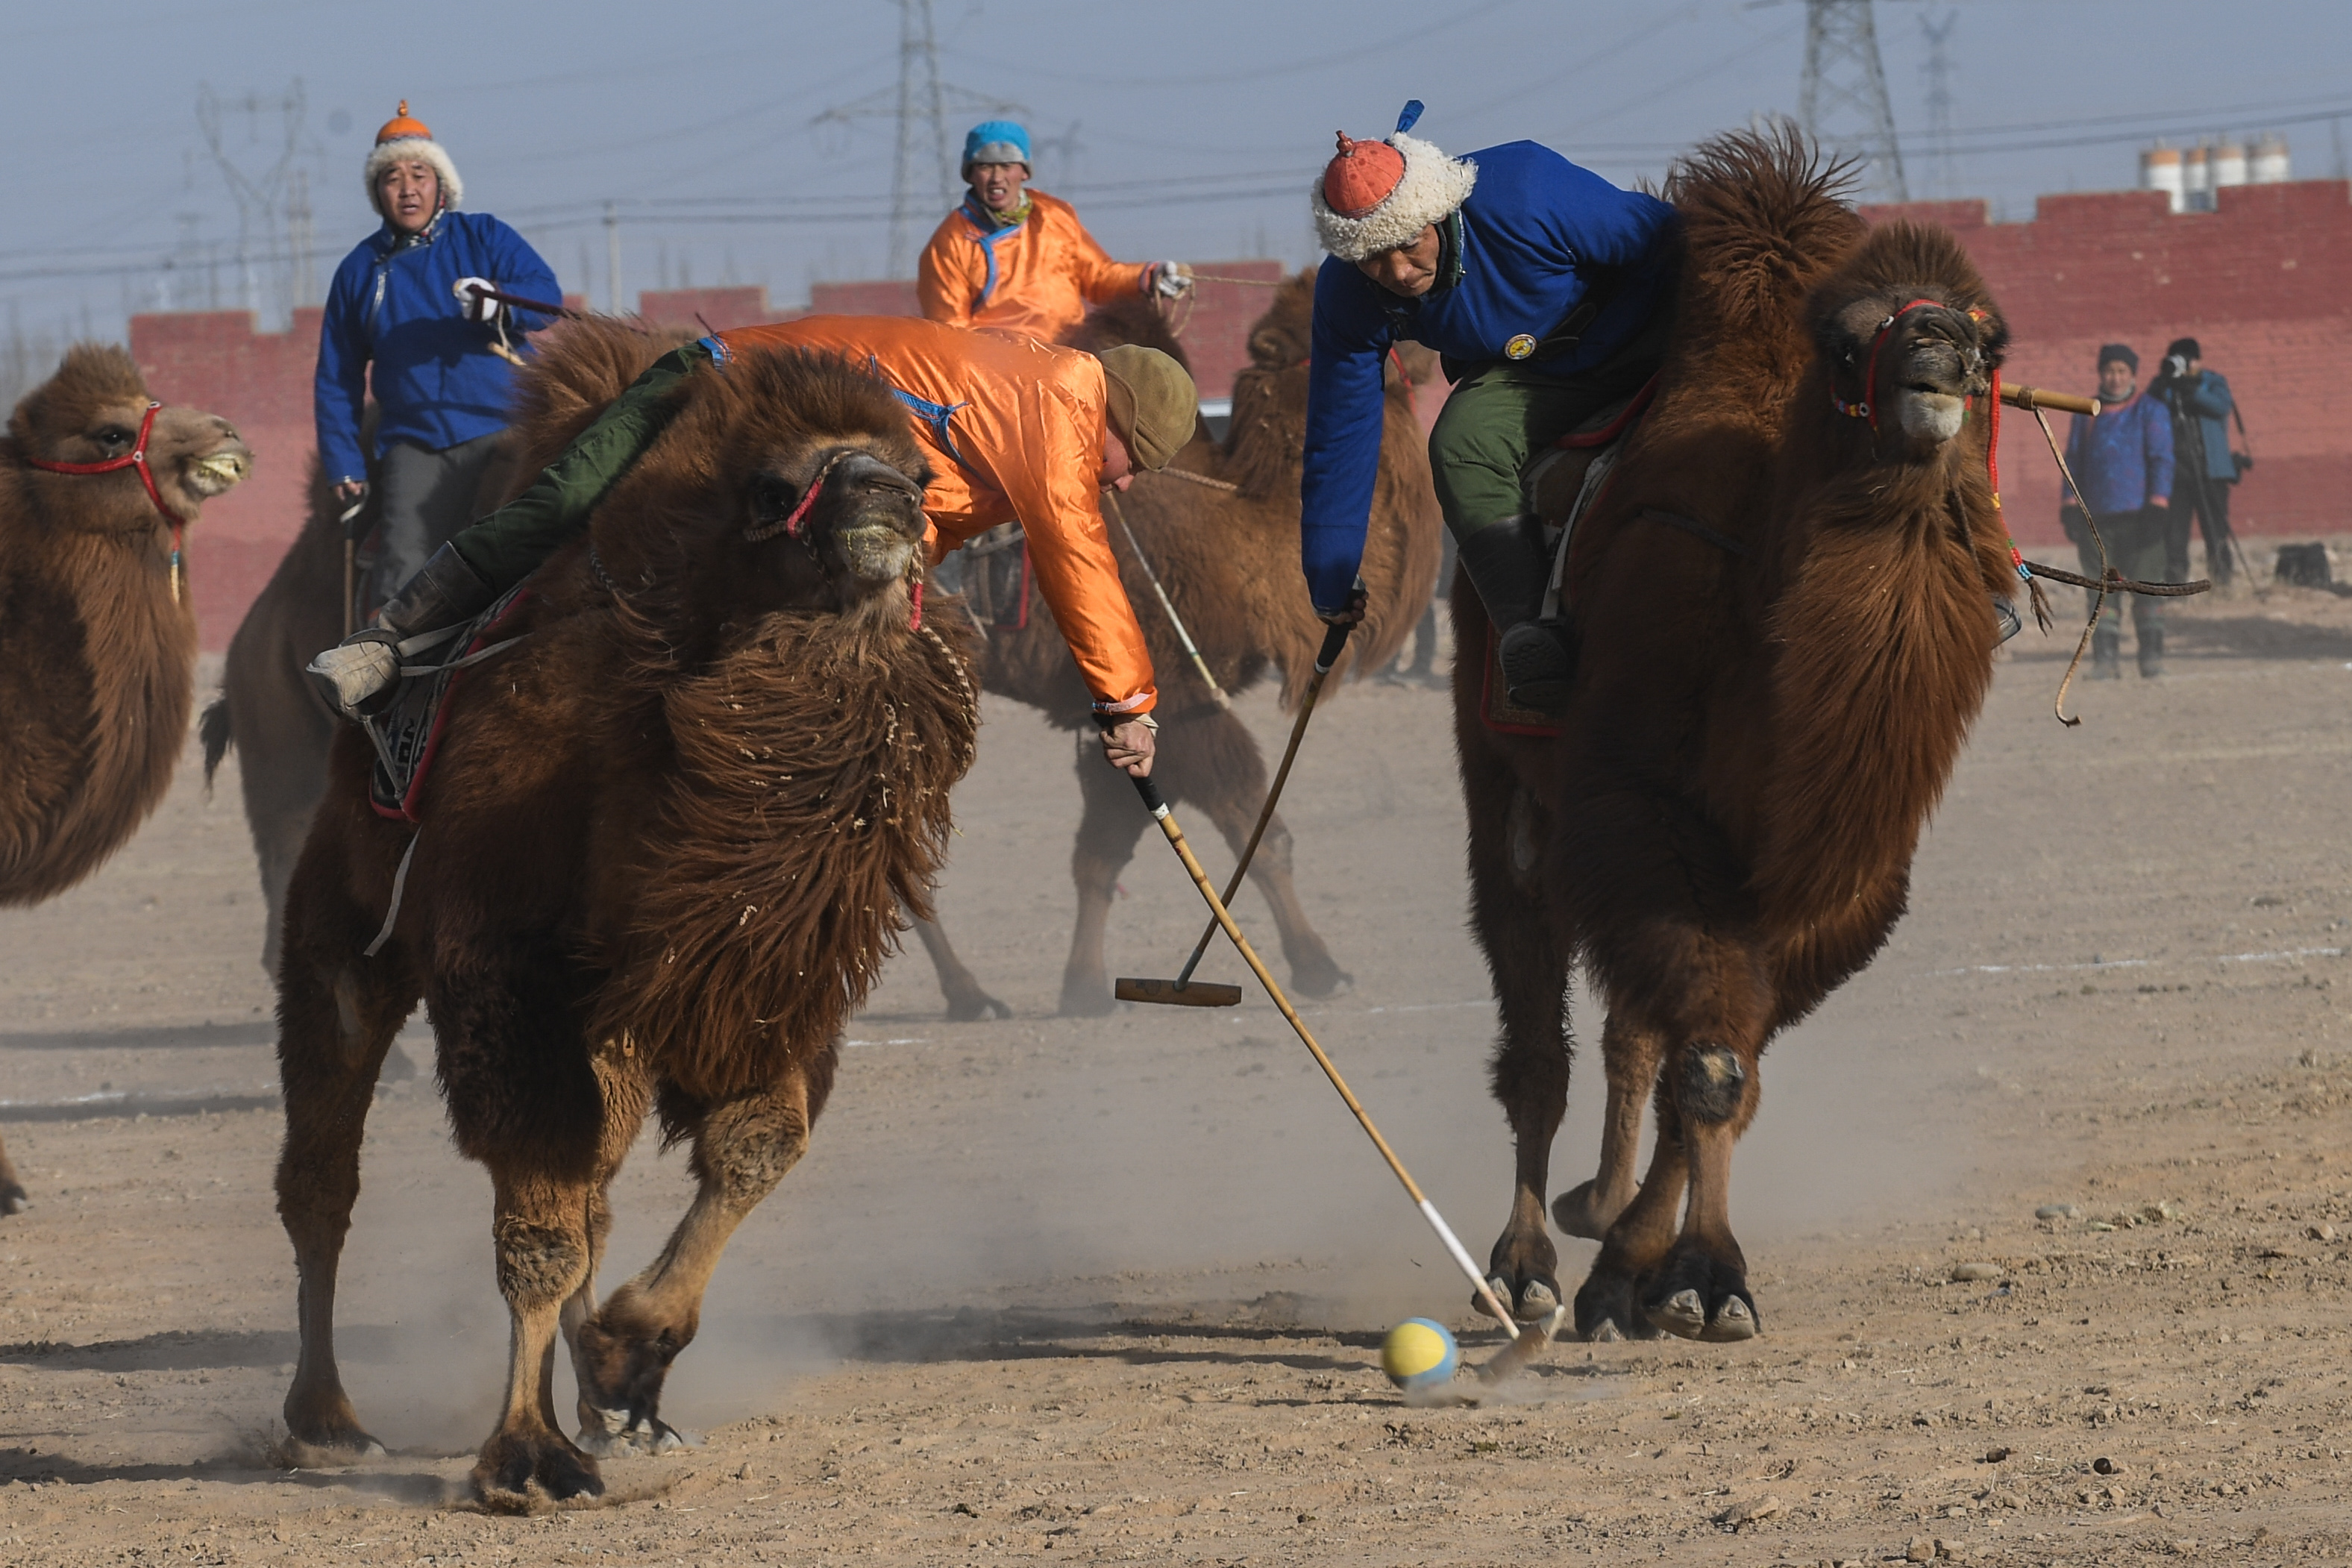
{"points": [[408, 733]]}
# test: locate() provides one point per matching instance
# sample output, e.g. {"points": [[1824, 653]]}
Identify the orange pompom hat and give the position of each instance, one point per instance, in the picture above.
{"points": [[401, 140], [1376, 196], [401, 128]]}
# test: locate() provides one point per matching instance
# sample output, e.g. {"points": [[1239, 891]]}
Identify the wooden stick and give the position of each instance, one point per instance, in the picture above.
{"points": [[1453, 1247], [2018, 396]]}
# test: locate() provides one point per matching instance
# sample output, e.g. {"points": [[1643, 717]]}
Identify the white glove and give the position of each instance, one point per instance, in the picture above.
{"points": [[477, 306], [1171, 280], [356, 668]]}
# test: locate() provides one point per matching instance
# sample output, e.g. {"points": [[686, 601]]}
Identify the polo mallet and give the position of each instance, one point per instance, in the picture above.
{"points": [[1181, 992], [504, 349], [1526, 1342], [351, 564]]}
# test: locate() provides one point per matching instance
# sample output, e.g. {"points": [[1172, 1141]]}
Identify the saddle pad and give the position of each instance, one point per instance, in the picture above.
{"points": [[407, 733]]}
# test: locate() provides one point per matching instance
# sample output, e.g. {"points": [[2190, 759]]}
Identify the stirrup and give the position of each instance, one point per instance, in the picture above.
{"points": [[2005, 616], [1539, 666]]}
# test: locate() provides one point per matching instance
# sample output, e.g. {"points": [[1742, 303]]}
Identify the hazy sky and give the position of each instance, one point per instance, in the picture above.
{"points": [[1196, 126]]}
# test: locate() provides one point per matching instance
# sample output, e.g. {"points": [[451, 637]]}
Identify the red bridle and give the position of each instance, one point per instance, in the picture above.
{"points": [[1864, 408], [134, 458]]}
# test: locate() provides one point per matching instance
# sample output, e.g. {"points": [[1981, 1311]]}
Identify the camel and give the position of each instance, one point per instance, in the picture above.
{"points": [[97, 637], [661, 861], [278, 721], [1782, 616], [1229, 560]]}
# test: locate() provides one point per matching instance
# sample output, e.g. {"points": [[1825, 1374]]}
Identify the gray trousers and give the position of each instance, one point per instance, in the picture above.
{"points": [[426, 497]]}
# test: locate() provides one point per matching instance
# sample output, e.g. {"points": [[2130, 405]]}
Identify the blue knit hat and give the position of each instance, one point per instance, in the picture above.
{"points": [[995, 141]]}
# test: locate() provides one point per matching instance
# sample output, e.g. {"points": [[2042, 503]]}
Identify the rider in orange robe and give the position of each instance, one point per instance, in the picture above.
{"points": [[1020, 259]]}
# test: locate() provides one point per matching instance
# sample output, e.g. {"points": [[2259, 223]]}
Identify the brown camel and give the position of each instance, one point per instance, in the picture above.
{"points": [[1785, 637], [1229, 560], [97, 637], [661, 861], [279, 724]]}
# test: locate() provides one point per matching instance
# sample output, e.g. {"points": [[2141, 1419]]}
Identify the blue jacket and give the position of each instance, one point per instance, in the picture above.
{"points": [[2124, 457], [1521, 253], [436, 381], [2205, 401]]}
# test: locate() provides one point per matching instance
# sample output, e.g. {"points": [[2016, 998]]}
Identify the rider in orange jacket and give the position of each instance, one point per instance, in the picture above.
{"points": [[1020, 259], [1014, 428]]}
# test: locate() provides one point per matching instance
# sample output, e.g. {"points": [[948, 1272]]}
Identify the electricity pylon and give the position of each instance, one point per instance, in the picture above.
{"points": [[1843, 103]]}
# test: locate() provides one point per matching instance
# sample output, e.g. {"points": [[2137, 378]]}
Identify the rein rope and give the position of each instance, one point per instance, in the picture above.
{"points": [[134, 458]]}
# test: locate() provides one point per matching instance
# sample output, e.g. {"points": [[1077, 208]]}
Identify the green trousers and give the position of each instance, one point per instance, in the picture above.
{"points": [[1502, 416], [509, 545]]}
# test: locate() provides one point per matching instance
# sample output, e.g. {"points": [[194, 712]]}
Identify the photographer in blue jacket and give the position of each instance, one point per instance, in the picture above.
{"points": [[404, 305]]}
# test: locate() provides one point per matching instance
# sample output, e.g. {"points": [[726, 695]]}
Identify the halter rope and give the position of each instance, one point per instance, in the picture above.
{"points": [[134, 458]]}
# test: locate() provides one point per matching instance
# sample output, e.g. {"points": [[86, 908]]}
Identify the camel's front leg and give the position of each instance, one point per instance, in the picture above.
{"points": [[540, 1236], [1629, 1056], [11, 1191], [337, 1013], [742, 1147], [1700, 1289], [1107, 828], [966, 1001]]}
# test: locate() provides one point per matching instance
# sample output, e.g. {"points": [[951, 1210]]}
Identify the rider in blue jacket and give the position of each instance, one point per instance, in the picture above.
{"points": [[1544, 287], [402, 303]]}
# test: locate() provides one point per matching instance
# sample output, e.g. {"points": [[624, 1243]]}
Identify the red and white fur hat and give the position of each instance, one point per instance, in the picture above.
{"points": [[402, 139], [1376, 196]]}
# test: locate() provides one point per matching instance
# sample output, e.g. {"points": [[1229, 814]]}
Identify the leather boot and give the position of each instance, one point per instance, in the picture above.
{"points": [[1507, 565], [2151, 652], [2107, 654], [361, 674]]}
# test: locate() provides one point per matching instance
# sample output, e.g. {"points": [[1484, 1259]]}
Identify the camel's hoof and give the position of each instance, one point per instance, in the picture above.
{"points": [[610, 1437], [1683, 1314], [1733, 1320], [328, 1449], [1574, 1212], [1499, 1285], [1086, 999], [13, 1198], [1320, 978], [1605, 1332], [1538, 1299], [1604, 1310], [978, 1006], [510, 1466]]}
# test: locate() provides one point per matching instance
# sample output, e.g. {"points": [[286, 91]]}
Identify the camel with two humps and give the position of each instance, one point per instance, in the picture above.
{"points": [[1227, 553], [98, 632], [661, 859], [1767, 708]]}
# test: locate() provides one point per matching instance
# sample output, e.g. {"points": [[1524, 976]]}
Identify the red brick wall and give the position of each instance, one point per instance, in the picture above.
{"points": [[261, 382], [2264, 284]]}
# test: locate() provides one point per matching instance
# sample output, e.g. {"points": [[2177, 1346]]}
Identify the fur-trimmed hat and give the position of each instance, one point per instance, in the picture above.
{"points": [[401, 140], [1376, 196]]}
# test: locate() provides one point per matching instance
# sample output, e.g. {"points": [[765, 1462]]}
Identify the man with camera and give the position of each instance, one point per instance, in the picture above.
{"points": [[2201, 409]]}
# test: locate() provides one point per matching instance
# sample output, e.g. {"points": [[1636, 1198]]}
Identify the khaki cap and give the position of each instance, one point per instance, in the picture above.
{"points": [[1154, 406]]}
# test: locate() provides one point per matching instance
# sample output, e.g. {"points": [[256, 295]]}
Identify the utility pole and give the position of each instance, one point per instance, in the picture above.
{"points": [[1938, 72], [920, 104], [613, 257], [257, 195], [299, 240], [1843, 103]]}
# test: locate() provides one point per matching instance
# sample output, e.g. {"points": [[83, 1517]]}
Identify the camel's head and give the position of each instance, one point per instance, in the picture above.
{"points": [[788, 481], [1910, 340], [92, 412], [1268, 437]]}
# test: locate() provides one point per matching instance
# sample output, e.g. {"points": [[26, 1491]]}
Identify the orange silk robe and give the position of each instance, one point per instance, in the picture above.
{"points": [[1014, 428], [1038, 277]]}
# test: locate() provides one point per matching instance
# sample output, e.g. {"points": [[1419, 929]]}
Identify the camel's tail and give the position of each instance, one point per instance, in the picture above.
{"points": [[214, 730]]}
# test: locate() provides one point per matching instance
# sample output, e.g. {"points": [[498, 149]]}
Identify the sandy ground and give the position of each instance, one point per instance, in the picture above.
{"points": [[1114, 1291]]}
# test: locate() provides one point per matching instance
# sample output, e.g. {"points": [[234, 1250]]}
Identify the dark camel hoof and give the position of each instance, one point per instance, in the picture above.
{"points": [[14, 1199], [511, 1466], [325, 1431], [972, 1008], [1534, 1299], [621, 1368], [1604, 1310], [1320, 978], [1695, 1296], [1576, 1215], [1087, 998]]}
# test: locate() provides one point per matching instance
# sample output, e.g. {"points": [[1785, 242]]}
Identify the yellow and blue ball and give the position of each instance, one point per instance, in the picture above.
{"points": [[1420, 1356]]}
